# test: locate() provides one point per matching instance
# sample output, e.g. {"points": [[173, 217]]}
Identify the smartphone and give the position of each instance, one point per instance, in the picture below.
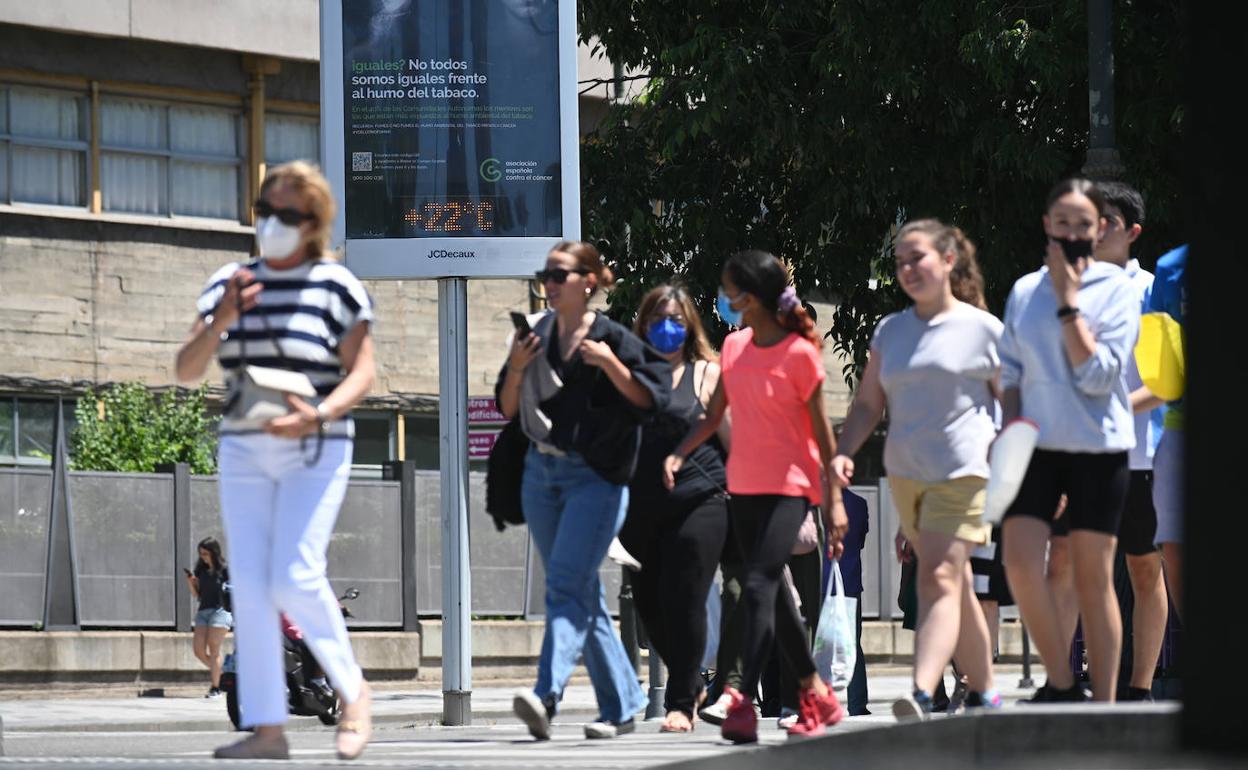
{"points": [[1075, 249], [521, 322], [187, 571]]}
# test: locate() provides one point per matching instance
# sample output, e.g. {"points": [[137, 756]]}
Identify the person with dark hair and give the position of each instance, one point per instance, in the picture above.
{"points": [[581, 385], [781, 444], [933, 368], [1070, 330], [209, 582], [1124, 217], [282, 482], [677, 534]]}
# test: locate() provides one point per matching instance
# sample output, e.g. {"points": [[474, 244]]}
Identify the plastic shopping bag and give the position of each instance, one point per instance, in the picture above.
{"points": [[1008, 460], [836, 639]]}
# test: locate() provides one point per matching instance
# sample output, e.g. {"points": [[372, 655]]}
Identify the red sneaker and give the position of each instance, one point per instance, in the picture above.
{"points": [[741, 724], [817, 712], [809, 721]]}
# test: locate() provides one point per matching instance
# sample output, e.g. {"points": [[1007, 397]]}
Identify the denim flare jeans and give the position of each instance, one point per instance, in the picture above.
{"points": [[573, 514]]}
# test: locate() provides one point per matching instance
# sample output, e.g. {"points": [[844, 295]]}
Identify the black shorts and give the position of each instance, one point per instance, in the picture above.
{"points": [[1095, 486], [1139, 517], [989, 573]]}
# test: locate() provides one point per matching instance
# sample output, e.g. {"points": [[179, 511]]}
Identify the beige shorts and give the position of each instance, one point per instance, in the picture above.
{"points": [[954, 507]]}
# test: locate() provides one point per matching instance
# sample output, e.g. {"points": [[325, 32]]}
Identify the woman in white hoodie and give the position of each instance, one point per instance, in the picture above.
{"points": [[1069, 332]]}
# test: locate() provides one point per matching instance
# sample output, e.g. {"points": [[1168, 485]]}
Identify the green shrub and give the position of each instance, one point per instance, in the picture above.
{"points": [[126, 428]]}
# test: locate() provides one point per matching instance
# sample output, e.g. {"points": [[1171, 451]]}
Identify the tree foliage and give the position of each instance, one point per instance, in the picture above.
{"points": [[810, 128], [126, 428]]}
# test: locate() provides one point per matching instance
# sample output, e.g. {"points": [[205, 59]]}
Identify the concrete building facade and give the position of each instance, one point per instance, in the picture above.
{"points": [[133, 137]]}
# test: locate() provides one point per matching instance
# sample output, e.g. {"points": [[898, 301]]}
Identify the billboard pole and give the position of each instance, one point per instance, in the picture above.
{"points": [[453, 450], [449, 132]]}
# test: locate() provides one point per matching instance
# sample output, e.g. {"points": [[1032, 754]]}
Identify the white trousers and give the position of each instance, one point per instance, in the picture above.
{"points": [[279, 515]]}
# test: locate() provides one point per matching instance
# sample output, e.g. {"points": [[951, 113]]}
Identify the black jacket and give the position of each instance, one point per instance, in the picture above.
{"points": [[589, 416]]}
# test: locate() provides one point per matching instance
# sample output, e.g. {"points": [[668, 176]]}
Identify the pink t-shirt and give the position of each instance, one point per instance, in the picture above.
{"points": [[773, 446]]}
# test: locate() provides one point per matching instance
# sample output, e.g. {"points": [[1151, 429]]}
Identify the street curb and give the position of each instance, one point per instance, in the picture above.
{"points": [[994, 739]]}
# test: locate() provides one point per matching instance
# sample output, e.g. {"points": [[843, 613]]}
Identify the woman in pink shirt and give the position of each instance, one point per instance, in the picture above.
{"points": [[777, 468]]}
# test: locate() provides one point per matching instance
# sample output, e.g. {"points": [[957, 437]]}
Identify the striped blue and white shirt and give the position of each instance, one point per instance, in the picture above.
{"points": [[310, 310]]}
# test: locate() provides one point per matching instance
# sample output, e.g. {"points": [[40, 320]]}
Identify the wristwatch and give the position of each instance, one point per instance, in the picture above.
{"points": [[209, 320], [1067, 310], [326, 419]]}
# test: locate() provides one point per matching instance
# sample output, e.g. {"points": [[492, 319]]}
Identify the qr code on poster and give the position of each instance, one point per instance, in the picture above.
{"points": [[361, 161]]}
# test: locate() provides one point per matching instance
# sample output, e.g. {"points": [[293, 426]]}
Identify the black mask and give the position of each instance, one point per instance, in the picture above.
{"points": [[1075, 249]]}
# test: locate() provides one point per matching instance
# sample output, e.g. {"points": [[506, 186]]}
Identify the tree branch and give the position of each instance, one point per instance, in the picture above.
{"points": [[595, 82]]}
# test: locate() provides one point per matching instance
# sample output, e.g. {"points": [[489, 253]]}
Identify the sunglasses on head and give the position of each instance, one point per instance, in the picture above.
{"points": [[293, 217], [558, 275]]}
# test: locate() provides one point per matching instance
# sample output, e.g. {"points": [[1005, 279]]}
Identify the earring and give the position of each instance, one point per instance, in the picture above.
{"points": [[588, 291]]}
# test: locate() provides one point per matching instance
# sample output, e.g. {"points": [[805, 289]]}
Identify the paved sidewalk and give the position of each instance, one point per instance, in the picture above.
{"points": [[180, 733], [391, 706]]}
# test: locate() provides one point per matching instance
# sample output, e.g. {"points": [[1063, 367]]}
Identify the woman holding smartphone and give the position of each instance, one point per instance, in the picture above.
{"points": [[208, 583], [581, 385]]}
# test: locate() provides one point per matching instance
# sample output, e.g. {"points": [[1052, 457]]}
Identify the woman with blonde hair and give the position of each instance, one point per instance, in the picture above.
{"points": [[282, 481]]}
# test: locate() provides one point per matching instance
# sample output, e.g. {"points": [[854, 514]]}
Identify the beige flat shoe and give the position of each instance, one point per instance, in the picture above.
{"points": [[253, 747], [354, 734]]}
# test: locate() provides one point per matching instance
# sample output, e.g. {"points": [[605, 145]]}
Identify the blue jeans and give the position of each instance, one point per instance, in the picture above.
{"points": [[215, 617], [573, 514]]}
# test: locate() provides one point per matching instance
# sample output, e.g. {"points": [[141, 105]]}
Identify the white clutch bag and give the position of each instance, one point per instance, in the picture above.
{"points": [[259, 393], [1007, 465]]}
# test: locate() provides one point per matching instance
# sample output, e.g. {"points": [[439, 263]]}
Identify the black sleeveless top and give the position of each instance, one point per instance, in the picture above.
{"points": [[660, 436]]}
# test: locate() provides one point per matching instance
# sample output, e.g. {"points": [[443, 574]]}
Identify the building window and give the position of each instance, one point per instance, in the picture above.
{"points": [[290, 137], [373, 443], [28, 429], [171, 159], [421, 440], [43, 146]]}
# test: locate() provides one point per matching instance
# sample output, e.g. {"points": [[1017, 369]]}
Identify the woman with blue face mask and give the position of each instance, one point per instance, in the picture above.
{"points": [[678, 534]]}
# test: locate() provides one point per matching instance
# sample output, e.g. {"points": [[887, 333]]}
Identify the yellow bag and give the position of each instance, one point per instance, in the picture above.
{"points": [[1159, 355]]}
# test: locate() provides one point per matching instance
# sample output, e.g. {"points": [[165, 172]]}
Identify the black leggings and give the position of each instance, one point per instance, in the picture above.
{"points": [[766, 528], [678, 551]]}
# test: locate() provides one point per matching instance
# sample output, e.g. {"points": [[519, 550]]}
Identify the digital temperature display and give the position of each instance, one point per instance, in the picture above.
{"points": [[450, 216]]}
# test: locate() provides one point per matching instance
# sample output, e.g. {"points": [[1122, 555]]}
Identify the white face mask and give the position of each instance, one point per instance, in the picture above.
{"points": [[276, 240]]}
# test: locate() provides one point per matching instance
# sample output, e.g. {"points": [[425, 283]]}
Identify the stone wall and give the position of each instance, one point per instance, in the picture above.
{"points": [[99, 301]]}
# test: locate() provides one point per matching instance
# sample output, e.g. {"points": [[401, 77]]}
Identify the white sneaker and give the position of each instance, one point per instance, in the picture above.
{"points": [[717, 712], [620, 555], [788, 718], [530, 710], [601, 728]]}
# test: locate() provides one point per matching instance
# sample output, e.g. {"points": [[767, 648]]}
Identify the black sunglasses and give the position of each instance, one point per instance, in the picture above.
{"points": [[292, 217], [557, 274]]}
